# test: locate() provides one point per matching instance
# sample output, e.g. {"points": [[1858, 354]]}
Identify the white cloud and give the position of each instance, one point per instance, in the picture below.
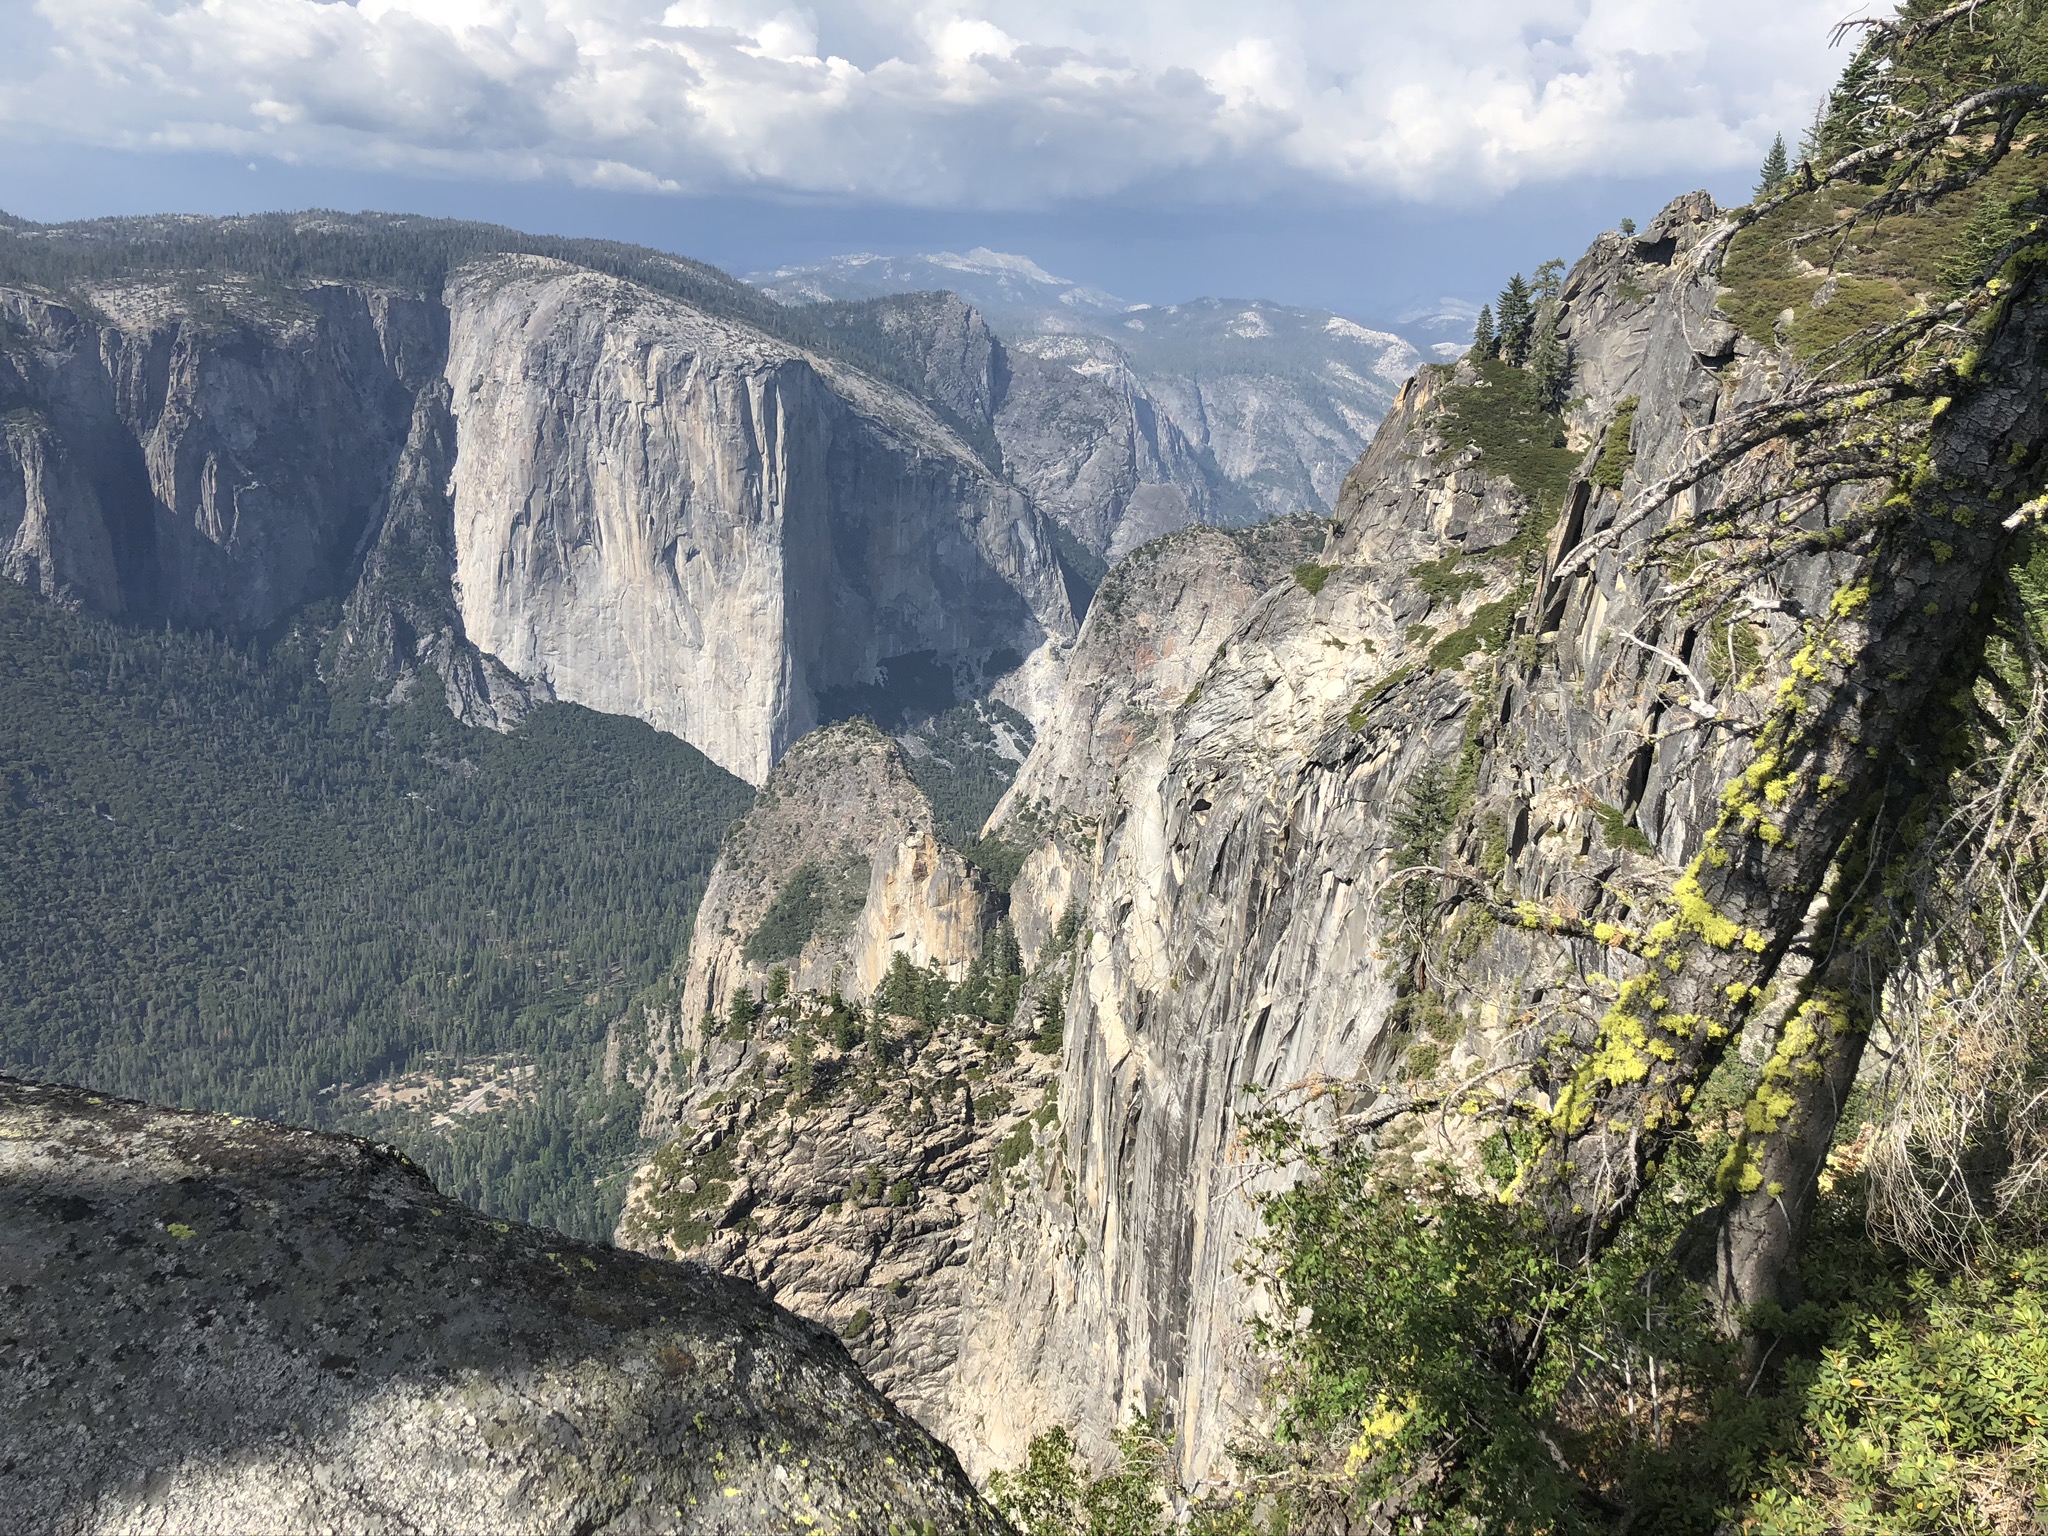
{"points": [[991, 102]]}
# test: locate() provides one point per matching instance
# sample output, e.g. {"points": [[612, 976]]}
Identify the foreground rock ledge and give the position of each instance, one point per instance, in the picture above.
{"points": [[219, 1325]]}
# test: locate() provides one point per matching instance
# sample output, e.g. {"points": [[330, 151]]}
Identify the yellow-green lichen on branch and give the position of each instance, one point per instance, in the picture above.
{"points": [[1797, 1060]]}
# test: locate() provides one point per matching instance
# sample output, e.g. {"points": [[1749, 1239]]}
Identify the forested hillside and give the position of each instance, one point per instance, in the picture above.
{"points": [[223, 886]]}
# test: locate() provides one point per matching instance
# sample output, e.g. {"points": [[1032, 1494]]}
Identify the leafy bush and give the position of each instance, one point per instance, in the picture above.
{"points": [[1485, 634], [1615, 828], [1052, 1494], [1442, 581], [1923, 1412], [1448, 1358]]}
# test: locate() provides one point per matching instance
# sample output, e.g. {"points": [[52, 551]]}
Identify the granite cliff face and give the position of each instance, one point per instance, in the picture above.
{"points": [[1151, 634], [1242, 923], [1221, 807], [873, 1191], [538, 479], [218, 1325], [209, 456], [1227, 789], [663, 515]]}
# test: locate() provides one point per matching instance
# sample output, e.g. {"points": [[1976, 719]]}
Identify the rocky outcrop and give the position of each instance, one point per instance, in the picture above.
{"points": [[664, 514], [835, 871], [1150, 635], [846, 1164], [872, 1195], [218, 1325]]}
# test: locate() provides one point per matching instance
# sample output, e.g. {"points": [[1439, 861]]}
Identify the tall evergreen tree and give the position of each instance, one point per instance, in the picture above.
{"points": [[1549, 280], [1550, 358], [1856, 108], [1514, 315], [1484, 342], [1809, 141], [1776, 168]]}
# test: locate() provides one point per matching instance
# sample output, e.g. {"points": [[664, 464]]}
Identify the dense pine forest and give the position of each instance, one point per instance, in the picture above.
{"points": [[227, 887]]}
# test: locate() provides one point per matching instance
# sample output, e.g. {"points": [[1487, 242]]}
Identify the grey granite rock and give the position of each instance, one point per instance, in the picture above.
{"points": [[536, 479], [857, 1202], [211, 1325], [1234, 874]]}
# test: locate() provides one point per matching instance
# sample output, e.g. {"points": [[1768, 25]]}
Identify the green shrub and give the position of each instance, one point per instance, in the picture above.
{"points": [[1925, 1411], [1617, 456], [1310, 576], [1015, 1147], [1615, 829], [1052, 1494], [1486, 634], [1504, 419], [1442, 581], [1356, 716]]}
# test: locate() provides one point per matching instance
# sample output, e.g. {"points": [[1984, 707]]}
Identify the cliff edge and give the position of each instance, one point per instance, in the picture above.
{"points": [[222, 1325]]}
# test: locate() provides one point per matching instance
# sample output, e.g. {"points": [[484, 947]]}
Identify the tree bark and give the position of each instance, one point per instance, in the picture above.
{"points": [[1789, 1127]]}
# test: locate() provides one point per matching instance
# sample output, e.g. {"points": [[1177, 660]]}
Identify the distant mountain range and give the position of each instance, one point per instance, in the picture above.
{"points": [[1232, 410]]}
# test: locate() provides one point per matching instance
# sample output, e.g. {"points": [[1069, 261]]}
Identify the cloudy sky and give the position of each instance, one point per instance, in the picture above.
{"points": [[1358, 155]]}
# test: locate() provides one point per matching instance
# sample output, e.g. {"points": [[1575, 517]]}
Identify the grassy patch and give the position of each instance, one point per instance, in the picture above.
{"points": [[1442, 581], [1310, 576], [1516, 438], [1872, 274], [1616, 456], [1486, 633]]}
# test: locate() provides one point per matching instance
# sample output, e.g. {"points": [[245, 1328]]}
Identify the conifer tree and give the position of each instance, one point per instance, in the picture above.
{"points": [[1514, 315], [1549, 280], [1809, 141], [1855, 108], [1550, 358], [1776, 168], [1484, 342]]}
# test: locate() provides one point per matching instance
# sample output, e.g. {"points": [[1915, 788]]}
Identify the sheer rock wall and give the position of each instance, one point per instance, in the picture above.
{"points": [[1236, 935], [539, 480]]}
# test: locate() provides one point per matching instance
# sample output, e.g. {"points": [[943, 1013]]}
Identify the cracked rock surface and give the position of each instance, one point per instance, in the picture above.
{"points": [[222, 1325]]}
